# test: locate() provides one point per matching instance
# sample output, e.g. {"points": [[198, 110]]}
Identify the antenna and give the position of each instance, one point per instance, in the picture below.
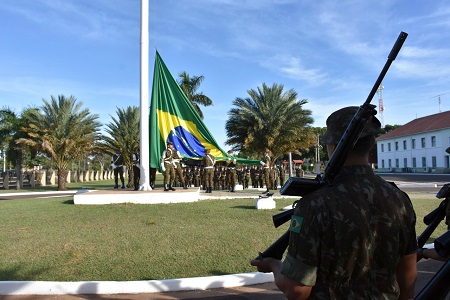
{"points": [[439, 99]]}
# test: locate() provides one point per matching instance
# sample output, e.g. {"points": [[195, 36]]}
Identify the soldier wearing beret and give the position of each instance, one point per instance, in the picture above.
{"points": [[353, 239]]}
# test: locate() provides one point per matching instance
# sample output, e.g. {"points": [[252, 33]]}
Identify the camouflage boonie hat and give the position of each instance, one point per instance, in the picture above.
{"points": [[338, 122]]}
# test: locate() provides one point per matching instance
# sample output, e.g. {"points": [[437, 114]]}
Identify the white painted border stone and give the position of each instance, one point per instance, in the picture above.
{"points": [[131, 287]]}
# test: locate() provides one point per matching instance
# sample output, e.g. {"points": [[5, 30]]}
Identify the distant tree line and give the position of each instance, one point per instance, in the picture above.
{"points": [[63, 135]]}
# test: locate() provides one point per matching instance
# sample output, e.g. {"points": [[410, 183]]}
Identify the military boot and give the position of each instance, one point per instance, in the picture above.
{"points": [[185, 187], [165, 188], [171, 188]]}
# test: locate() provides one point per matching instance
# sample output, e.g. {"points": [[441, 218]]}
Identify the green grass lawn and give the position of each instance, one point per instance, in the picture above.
{"points": [[52, 239]]}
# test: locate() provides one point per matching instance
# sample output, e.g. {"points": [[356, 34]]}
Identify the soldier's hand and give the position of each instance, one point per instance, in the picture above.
{"points": [[266, 265]]}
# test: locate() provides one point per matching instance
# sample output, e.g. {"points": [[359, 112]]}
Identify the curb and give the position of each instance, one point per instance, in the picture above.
{"points": [[132, 287]]}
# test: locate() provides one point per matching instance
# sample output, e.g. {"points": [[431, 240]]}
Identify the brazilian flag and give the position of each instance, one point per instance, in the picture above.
{"points": [[174, 119]]}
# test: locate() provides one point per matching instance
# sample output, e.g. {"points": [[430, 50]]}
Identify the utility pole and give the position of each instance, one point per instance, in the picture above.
{"points": [[317, 156], [380, 104]]}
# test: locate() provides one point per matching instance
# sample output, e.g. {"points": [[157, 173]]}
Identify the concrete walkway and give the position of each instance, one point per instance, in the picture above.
{"points": [[264, 291]]}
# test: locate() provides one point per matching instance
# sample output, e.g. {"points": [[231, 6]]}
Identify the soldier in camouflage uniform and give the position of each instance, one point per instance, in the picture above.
{"points": [[354, 239], [197, 176], [252, 176], [167, 167], [231, 170], [222, 178], [208, 163], [273, 177], [266, 166], [245, 175], [281, 170], [178, 168], [256, 173], [216, 178]]}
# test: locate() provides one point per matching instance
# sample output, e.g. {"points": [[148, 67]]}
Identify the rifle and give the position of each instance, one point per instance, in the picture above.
{"points": [[296, 186], [437, 287]]}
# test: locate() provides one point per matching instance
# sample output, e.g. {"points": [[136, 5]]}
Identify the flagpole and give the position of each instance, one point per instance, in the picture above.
{"points": [[144, 122]]}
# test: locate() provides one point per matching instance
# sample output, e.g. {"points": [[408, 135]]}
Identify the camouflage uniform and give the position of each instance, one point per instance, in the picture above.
{"points": [[222, 178], [216, 178], [197, 176], [208, 170], [231, 172], [266, 166], [352, 236], [255, 179], [246, 175], [169, 173], [176, 161], [346, 239]]}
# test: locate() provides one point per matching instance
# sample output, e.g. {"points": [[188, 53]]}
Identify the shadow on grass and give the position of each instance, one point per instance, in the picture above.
{"points": [[15, 273], [70, 201], [244, 206]]}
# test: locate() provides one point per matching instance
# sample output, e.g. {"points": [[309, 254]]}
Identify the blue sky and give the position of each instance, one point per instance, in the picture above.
{"points": [[329, 52]]}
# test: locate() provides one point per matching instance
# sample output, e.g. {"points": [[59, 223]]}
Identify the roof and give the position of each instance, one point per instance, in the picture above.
{"points": [[420, 125], [295, 161]]}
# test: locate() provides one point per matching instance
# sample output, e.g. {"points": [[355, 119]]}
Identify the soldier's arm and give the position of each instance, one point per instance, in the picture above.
{"points": [[406, 274]]}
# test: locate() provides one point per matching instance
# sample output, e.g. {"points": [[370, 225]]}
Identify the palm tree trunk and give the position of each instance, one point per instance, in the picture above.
{"points": [[62, 178], [130, 176], [19, 170]]}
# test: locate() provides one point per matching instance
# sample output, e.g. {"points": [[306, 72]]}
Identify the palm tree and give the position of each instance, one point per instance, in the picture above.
{"points": [[10, 125], [124, 134], [189, 85], [269, 119], [62, 130]]}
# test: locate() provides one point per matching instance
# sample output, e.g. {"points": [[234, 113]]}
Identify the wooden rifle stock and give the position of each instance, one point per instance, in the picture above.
{"points": [[296, 186]]}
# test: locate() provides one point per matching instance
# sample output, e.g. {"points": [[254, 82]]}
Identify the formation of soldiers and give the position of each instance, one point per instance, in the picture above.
{"points": [[221, 176], [247, 176]]}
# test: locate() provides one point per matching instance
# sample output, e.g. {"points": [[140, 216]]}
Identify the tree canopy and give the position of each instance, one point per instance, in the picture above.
{"points": [[270, 118], [62, 130], [124, 134], [189, 85]]}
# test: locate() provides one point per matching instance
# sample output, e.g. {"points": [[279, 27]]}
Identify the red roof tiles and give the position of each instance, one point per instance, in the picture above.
{"points": [[420, 125]]}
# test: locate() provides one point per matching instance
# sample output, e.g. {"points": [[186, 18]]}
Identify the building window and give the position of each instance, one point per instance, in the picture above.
{"points": [[405, 162], [447, 161], [389, 147], [382, 147], [433, 141], [433, 161], [389, 164], [414, 162], [424, 162], [397, 163], [382, 162], [404, 145], [413, 144], [423, 142], [396, 146]]}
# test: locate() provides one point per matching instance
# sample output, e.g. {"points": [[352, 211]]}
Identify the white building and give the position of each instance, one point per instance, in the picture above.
{"points": [[418, 146]]}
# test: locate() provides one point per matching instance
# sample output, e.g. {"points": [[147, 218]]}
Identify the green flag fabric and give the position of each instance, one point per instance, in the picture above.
{"points": [[174, 119]]}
